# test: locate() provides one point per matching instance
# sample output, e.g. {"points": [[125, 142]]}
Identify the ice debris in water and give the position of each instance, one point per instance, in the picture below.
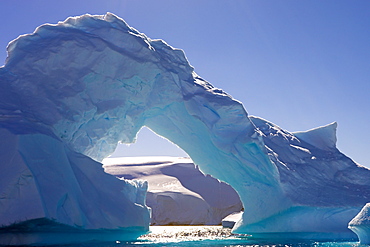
{"points": [[188, 233]]}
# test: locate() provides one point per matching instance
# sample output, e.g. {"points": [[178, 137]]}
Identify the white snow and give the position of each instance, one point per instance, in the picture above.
{"points": [[361, 224], [178, 193], [74, 90]]}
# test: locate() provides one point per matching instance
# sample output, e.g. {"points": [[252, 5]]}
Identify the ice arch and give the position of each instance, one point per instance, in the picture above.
{"points": [[93, 81]]}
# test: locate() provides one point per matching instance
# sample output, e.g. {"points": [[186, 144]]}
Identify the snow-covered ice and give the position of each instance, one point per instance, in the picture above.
{"points": [[178, 193], [73, 90], [361, 224]]}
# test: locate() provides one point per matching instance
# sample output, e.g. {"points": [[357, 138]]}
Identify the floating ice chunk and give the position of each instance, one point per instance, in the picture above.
{"points": [[361, 224]]}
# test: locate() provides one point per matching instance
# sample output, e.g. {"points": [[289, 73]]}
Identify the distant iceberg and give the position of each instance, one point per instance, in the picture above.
{"points": [[72, 91], [178, 193]]}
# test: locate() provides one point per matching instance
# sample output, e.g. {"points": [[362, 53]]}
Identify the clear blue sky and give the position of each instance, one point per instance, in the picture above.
{"points": [[300, 64]]}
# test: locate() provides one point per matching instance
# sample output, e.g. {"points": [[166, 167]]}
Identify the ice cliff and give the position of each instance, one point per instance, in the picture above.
{"points": [[92, 81], [48, 192]]}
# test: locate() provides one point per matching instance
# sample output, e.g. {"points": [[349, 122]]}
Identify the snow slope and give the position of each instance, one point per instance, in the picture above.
{"points": [[92, 81], [178, 193]]}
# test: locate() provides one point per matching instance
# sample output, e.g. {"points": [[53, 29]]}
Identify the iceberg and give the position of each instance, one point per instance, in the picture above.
{"points": [[73, 90], [178, 193], [360, 224]]}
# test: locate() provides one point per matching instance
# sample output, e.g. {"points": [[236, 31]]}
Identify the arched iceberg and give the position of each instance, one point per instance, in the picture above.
{"points": [[92, 81]]}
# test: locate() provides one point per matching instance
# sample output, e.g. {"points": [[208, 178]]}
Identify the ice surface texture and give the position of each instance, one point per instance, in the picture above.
{"points": [[93, 81]]}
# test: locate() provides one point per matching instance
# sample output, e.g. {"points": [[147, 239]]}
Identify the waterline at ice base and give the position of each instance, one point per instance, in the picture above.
{"points": [[72, 91]]}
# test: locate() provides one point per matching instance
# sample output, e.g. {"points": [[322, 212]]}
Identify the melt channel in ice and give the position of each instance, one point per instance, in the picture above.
{"points": [[90, 82]]}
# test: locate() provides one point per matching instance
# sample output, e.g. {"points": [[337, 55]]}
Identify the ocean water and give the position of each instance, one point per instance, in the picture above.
{"points": [[185, 236]]}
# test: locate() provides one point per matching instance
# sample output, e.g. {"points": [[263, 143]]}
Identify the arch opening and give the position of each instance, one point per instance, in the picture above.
{"points": [[178, 192], [148, 143]]}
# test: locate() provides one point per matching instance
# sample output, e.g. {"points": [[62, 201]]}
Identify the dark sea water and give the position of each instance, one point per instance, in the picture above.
{"points": [[184, 236]]}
